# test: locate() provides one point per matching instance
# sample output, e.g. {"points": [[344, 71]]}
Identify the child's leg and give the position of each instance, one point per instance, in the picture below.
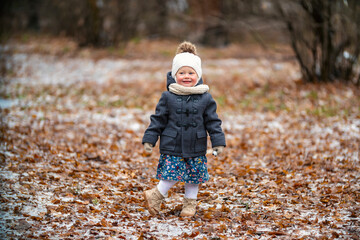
{"points": [[164, 186], [189, 205], [154, 197], [191, 190]]}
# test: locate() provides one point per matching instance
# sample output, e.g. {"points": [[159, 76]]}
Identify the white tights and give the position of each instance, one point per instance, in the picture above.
{"points": [[191, 190]]}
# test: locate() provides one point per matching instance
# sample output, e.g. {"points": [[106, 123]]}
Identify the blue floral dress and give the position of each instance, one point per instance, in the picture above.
{"points": [[189, 170]]}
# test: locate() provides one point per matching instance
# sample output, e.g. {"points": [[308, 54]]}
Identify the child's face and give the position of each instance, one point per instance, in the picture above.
{"points": [[186, 76]]}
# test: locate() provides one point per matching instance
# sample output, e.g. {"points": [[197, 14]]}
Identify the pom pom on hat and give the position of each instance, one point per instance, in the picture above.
{"points": [[186, 47], [186, 56]]}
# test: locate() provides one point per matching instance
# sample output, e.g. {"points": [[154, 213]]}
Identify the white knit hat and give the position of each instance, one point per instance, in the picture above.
{"points": [[186, 59]]}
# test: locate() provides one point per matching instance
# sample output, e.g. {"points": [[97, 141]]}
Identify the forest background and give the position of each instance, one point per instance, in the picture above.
{"points": [[79, 80]]}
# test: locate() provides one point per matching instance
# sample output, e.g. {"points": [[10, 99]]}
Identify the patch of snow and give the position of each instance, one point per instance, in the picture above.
{"points": [[167, 229], [49, 70], [276, 125], [7, 103], [9, 175]]}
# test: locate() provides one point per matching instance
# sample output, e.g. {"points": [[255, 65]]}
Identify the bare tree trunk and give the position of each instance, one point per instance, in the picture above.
{"points": [[324, 37], [91, 27]]}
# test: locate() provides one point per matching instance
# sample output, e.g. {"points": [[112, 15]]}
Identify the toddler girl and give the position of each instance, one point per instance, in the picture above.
{"points": [[184, 115]]}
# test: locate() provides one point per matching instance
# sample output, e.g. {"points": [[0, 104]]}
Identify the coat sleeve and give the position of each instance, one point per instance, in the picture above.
{"points": [[213, 124], [158, 122]]}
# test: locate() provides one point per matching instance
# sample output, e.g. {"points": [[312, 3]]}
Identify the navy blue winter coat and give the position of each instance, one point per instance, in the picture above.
{"points": [[182, 123]]}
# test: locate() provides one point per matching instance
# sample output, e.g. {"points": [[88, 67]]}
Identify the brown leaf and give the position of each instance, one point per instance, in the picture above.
{"points": [[104, 223]]}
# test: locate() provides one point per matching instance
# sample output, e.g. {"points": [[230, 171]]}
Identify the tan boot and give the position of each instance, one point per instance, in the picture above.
{"points": [[153, 199], [189, 208]]}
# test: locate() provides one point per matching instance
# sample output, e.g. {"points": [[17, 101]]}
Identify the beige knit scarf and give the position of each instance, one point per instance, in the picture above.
{"points": [[181, 90]]}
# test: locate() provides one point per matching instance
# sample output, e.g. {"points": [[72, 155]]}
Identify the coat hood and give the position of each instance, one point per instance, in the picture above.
{"points": [[170, 80]]}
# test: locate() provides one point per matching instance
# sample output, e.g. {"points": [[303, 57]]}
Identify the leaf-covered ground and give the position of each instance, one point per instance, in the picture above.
{"points": [[72, 164]]}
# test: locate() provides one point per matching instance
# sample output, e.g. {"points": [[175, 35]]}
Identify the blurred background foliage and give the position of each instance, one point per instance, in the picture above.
{"points": [[324, 34]]}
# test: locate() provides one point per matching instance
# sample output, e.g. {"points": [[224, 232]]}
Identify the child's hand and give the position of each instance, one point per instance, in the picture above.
{"points": [[218, 150], [148, 147]]}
